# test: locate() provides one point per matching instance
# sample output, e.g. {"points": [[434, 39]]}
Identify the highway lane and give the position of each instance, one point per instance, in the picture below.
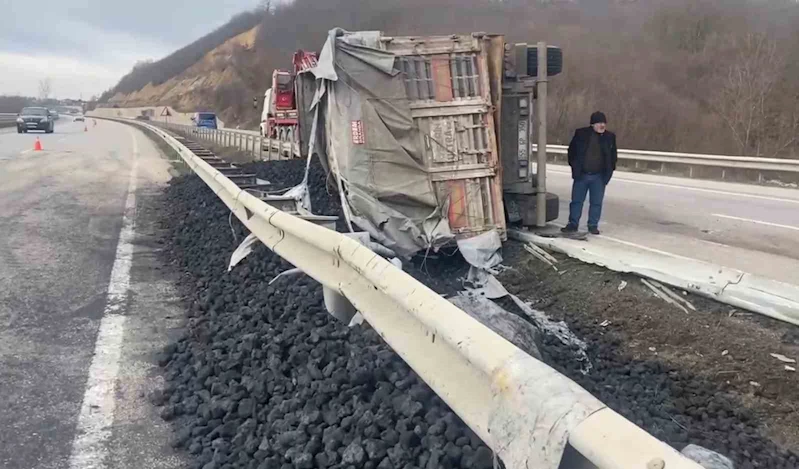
{"points": [[61, 212], [751, 228]]}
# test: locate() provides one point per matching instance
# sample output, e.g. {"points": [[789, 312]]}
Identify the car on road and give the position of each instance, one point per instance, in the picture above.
{"points": [[79, 118], [54, 114], [35, 118], [205, 119]]}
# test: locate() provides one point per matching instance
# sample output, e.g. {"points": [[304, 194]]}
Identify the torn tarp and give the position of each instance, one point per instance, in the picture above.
{"points": [[372, 146]]}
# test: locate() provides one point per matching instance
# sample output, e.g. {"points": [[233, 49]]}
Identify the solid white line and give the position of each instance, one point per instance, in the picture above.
{"points": [[639, 246], [97, 411], [776, 225], [697, 189]]}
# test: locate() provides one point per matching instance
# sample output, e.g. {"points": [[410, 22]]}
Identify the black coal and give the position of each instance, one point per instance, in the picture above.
{"points": [[264, 378]]}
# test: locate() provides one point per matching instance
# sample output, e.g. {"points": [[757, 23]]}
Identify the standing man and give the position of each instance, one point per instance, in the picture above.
{"points": [[592, 157]]}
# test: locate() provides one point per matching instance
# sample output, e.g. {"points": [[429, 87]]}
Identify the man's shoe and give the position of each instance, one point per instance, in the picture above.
{"points": [[593, 230], [569, 229]]}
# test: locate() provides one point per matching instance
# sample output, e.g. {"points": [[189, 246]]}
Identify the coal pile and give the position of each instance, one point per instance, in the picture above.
{"points": [[676, 407], [263, 377], [284, 174]]}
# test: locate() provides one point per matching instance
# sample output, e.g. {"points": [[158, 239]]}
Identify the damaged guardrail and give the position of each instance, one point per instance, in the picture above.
{"points": [[525, 411]]}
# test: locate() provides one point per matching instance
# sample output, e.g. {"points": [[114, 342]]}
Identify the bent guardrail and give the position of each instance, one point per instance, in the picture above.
{"points": [[522, 409]]}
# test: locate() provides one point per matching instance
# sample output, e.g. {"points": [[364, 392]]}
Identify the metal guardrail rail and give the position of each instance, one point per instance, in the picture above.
{"points": [[519, 406], [268, 149], [246, 140], [719, 161]]}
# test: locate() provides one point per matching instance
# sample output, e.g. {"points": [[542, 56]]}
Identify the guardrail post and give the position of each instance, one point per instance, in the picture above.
{"points": [[260, 148]]}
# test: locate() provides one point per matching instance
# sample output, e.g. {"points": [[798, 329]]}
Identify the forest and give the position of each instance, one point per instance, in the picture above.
{"points": [[702, 76]]}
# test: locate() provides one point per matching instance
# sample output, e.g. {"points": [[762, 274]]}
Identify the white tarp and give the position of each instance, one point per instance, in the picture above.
{"points": [[363, 118]]}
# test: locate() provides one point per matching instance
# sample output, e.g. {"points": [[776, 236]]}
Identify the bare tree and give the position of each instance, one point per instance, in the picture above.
{"points": [[45, 88], [746, 86]]}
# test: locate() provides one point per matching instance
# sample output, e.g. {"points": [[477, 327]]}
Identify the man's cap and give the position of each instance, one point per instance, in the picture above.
{"points": [[598, 117]]}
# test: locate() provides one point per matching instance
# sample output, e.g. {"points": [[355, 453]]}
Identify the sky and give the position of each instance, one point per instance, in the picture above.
{"points": [[86, 46]]}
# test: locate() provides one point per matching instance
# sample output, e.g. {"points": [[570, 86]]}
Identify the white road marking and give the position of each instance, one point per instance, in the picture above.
{"points": [[631, 244], [776, 225], [696, 189], [97, 411], [25, 151]]}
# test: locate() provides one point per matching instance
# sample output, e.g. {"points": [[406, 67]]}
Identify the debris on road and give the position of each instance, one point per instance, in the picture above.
{"points": [[605, 323], [782, 358], [724, 353], [539, 254], [622, 285], [662, 295], [668, 291], [706, 458]]}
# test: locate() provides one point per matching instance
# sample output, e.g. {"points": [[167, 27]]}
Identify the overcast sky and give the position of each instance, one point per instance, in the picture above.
{"points": [[85, 46]]}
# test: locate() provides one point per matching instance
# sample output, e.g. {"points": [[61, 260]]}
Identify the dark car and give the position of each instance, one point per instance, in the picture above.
{"points": [[35, 118]]}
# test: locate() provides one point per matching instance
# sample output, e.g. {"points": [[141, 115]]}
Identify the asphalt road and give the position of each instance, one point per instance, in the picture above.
{"points": [[61, 212], [747, 227]]}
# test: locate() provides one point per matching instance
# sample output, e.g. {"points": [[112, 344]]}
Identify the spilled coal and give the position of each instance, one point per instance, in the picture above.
{"points": [[264, 378]]}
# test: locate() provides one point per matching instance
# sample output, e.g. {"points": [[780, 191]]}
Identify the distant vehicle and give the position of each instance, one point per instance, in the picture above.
{"points": [[54, 114], [142, 117], [204, 119], [280, 118], [35, 118], [79, 118]]}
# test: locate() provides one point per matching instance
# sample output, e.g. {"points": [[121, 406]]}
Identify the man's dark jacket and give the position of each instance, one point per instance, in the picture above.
{"points": [[579, 147]]}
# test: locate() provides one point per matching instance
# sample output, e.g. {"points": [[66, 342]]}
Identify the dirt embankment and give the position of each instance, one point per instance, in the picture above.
{"points": [[193, 89]]}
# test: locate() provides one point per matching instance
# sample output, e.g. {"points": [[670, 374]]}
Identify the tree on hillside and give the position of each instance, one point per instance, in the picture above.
{"points": [[745, 91], [45, 88]]}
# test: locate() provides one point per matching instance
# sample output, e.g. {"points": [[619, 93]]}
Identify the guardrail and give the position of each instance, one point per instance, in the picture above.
{"points": [[522, 409], [246, 140], [7, 119], [726, 167], [693, 160]]}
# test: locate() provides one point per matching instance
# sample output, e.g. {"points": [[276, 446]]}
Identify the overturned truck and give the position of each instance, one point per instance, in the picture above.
{"points": [[428, 138]]}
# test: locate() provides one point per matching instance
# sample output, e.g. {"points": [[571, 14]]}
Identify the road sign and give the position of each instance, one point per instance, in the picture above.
{"points": [[166, 113]]}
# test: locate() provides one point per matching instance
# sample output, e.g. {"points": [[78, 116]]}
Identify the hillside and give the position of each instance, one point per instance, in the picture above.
{"points": [[202, 85], [714, 76]]}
